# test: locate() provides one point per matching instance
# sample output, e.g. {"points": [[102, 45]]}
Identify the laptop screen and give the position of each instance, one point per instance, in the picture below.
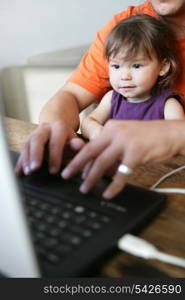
{"points": [[17, 257]]}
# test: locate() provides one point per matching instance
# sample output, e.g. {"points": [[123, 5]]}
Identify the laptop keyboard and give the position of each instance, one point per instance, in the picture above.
{"points": [[74, 231], [58, 230]]}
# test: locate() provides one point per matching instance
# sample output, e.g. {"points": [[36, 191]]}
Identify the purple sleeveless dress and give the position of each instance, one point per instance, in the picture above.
{"points": [[152, 109]]}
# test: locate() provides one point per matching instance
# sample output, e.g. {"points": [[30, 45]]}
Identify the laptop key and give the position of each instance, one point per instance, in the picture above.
{"points": [[53, 258], [42, 227], [78, 219], [55, 232], [50, 218], [62, 223], [94, 225], [79, 209], [63, 249], [105, 219], [49, 242], [66, 215], [81, 231], [71, 239]]}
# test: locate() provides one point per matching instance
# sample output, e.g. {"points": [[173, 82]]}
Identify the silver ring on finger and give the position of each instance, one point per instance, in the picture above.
{"points": [[125, 170]]}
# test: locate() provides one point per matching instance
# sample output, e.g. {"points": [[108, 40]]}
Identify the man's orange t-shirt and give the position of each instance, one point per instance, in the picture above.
{"points": [[92, 72]]}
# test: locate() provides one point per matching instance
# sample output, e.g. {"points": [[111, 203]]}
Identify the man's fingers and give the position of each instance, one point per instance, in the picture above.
{"points": [[120, 178], [99, 167], [19, 168], [32, 151], [90, 151], [57, 141], [76, 144], [32, 154], [37, 142], [115, 186], [23, 163], [86, 169]]}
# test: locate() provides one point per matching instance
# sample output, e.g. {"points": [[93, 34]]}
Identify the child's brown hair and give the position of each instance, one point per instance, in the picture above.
{"points": [[150, 35]]}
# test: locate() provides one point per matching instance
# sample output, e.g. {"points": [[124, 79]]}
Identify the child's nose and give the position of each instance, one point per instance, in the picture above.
{"points": [[126, 74]]}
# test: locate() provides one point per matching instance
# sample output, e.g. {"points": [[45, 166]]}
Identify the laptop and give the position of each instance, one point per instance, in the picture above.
{"points": [[50, 229]]}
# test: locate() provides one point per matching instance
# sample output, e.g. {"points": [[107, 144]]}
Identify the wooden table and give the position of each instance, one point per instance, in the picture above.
{"points": [[166, 231]]}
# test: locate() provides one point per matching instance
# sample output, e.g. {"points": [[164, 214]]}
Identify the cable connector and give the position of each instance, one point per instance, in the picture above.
{"points": [[139, 247]]}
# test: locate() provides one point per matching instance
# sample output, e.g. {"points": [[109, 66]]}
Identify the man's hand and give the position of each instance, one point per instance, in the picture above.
{"points": [[131, 143], [55, 135]]}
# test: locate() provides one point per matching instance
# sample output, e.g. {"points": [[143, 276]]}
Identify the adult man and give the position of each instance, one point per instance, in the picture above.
{"points": [[59, 118]]}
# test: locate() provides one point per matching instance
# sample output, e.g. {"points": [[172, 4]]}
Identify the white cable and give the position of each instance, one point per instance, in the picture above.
{"points": [[139, 247], [166, 176], [168, 190]]}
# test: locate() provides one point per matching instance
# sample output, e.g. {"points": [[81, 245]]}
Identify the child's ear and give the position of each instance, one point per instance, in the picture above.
{"points": [[164, 67]]}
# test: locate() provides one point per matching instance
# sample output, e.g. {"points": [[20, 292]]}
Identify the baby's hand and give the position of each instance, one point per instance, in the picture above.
{"points": [[96, 133]]}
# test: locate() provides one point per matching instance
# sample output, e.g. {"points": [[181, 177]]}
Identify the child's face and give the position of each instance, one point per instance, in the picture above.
{"points": [[134, 78]]}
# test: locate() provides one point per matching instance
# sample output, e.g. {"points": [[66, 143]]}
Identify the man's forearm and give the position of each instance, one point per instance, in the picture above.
{"points": [[66, 105], [177, 131], [63, 106]]}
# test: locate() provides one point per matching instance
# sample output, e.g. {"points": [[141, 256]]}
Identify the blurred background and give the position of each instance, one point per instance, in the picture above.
{"points": [[42, 41]]}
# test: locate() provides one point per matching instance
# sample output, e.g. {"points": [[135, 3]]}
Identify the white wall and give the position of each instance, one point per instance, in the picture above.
{"points": [[29, 27]]}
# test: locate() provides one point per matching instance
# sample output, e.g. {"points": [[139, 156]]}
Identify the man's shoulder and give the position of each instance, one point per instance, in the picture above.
{"points": [[144, 8]]}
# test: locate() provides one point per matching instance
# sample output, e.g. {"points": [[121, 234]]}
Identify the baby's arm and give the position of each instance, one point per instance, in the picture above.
{"points": [[93, 123], [173, 110]]}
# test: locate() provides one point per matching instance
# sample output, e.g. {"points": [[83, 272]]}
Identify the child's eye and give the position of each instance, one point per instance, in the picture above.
{"points": [[115, 66], [137, 66]]}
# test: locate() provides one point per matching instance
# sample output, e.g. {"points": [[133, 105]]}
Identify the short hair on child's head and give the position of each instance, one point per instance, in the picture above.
{"points": [[151, 36]]}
